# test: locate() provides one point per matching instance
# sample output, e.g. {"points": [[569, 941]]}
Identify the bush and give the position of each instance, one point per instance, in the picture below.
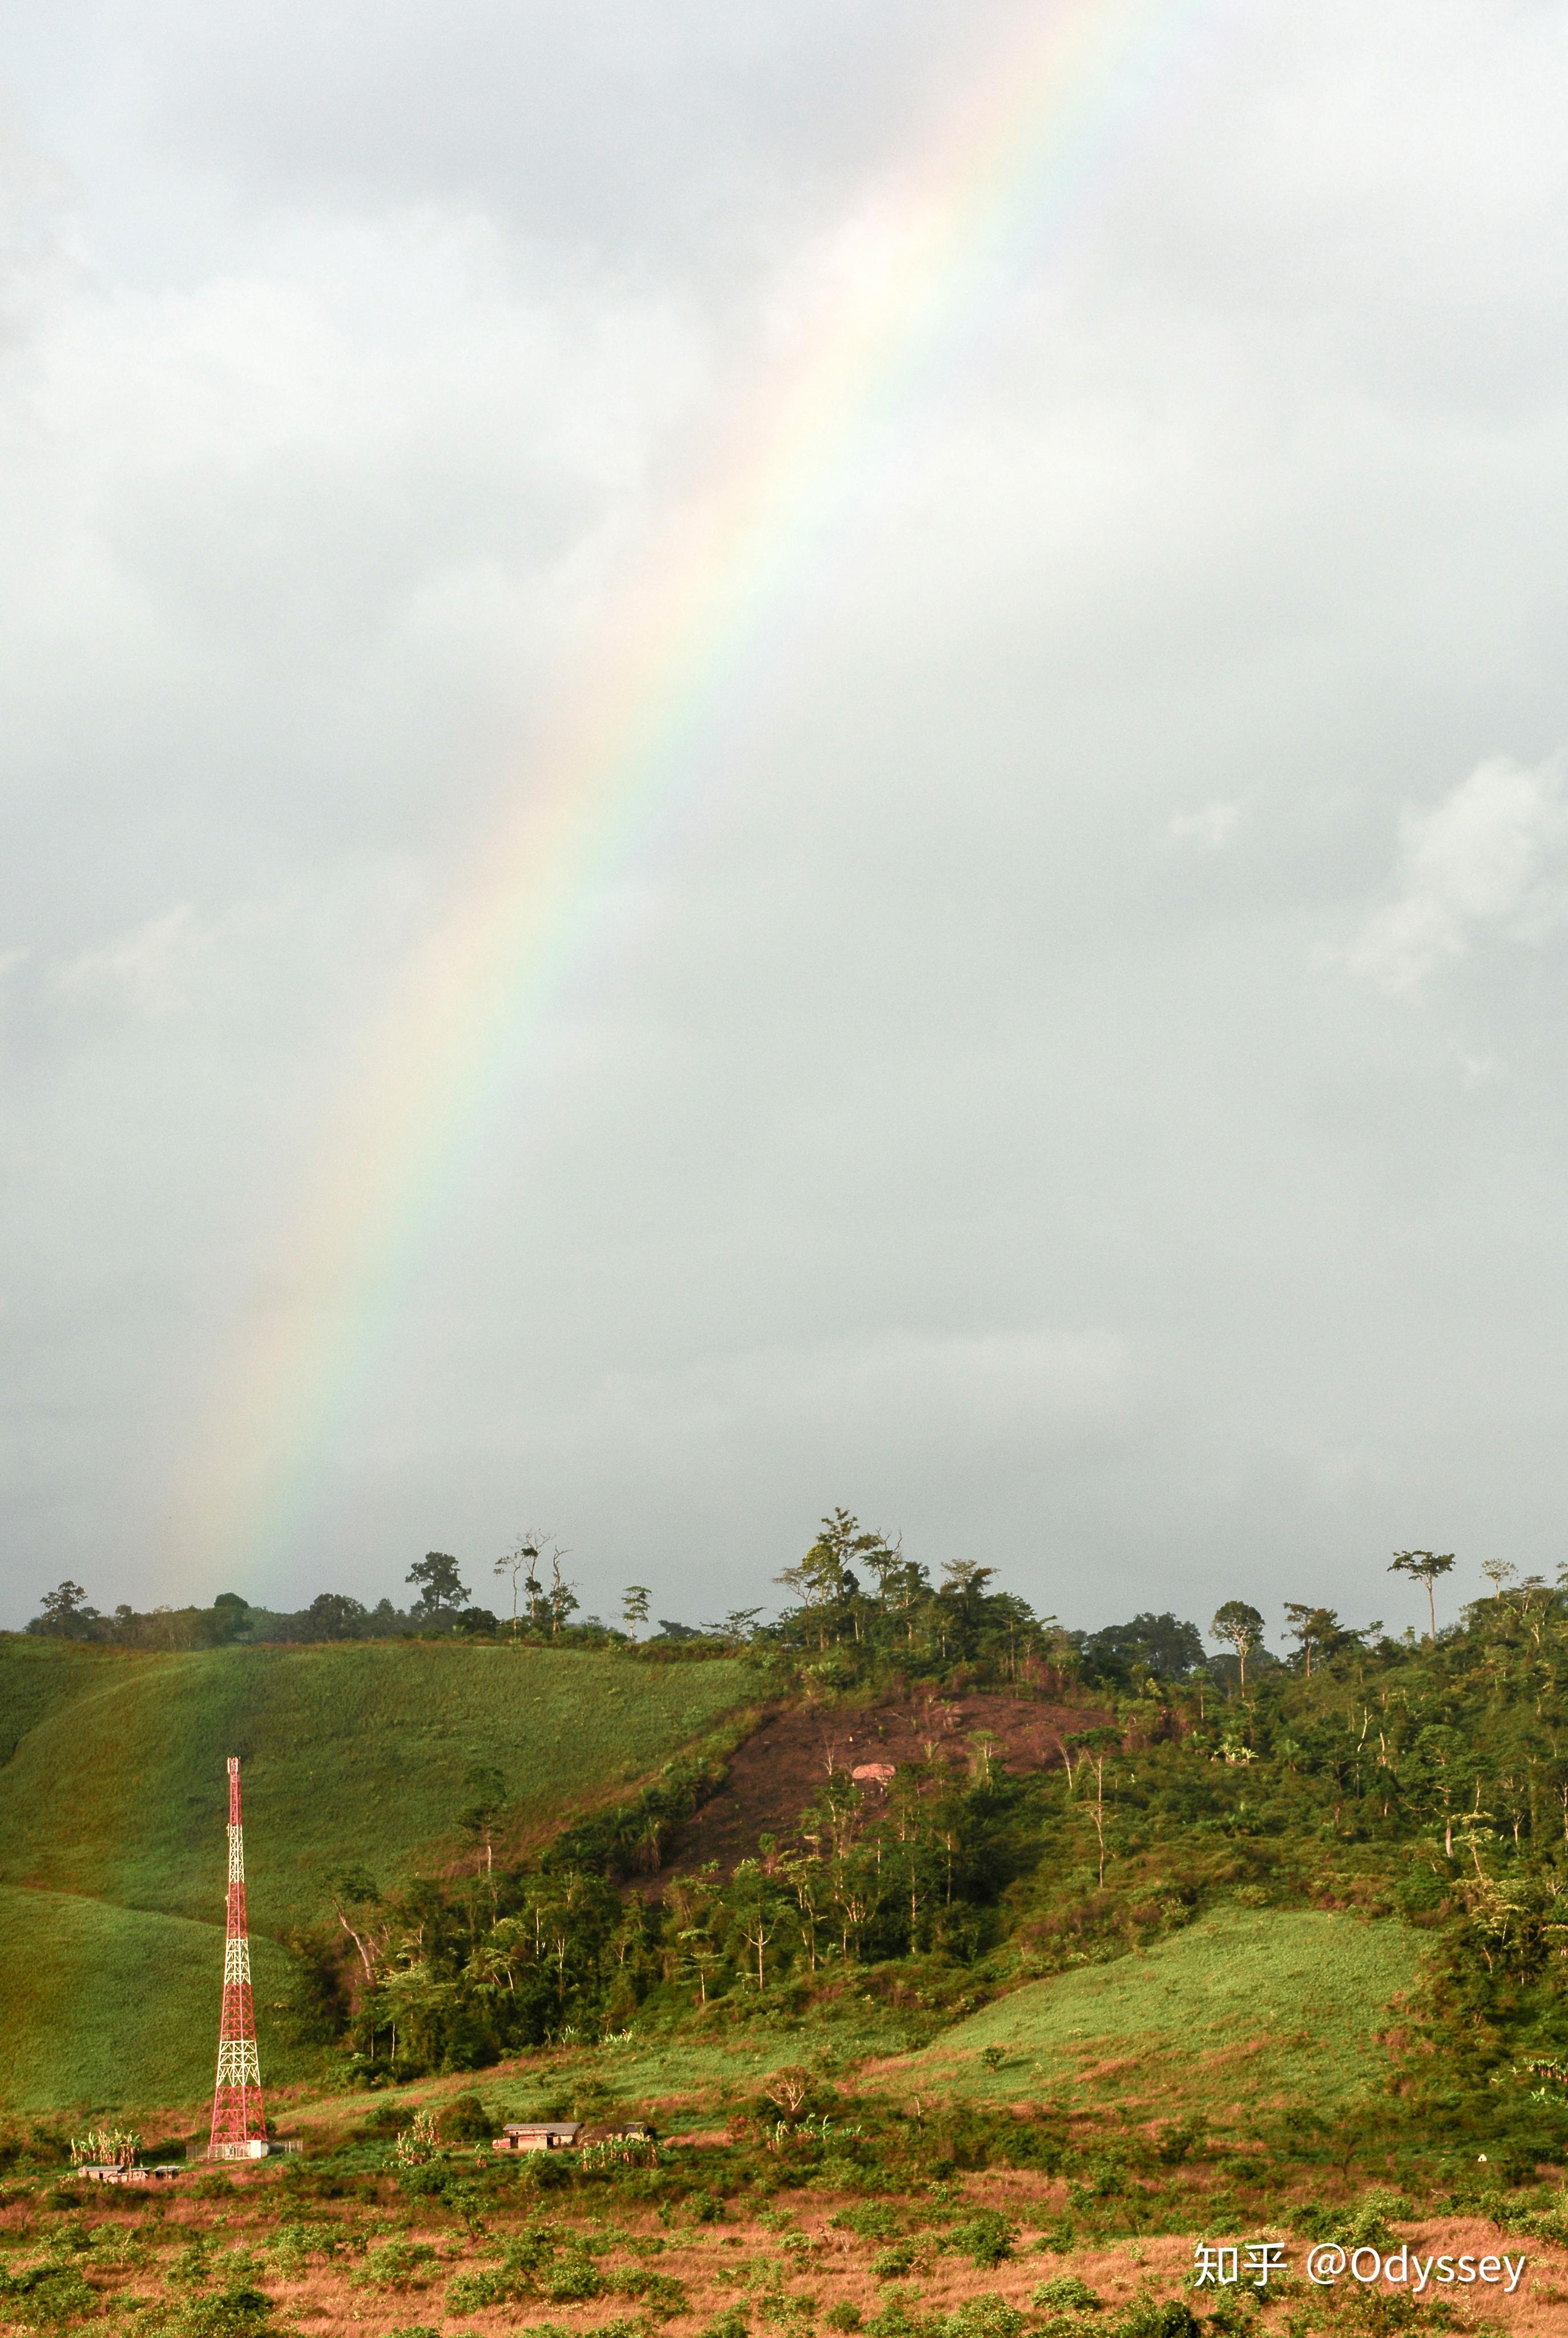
{"points": [[1066, 2294], [1176, 2141], [985, 2316], [658, 2293], [843, 2317], [874, 2222], [573, 2281], [188, 2269], [472, 2293], [466, 2120], [398, 2264], [1152, 2317], [894, 2319], [294, 2241], [45, 2297], [889, 2264], [1059, 2239], [237, 2312], [984, 2238]]}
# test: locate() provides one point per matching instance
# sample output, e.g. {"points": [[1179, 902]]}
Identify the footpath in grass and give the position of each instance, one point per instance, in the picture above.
{"points": [[110, 2008], [354, 1752], [1241, 2007]]}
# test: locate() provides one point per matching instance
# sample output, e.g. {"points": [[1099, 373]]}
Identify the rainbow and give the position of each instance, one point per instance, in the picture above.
{"points": [[1018, 161]]}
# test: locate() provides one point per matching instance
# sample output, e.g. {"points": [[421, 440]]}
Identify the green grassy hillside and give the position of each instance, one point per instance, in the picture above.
{"points": [[104, 2006], [1240, 2009], [113, 1801], [116, 1788]]}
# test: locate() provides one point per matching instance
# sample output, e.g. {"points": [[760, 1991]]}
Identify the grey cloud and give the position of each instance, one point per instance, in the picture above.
{"points": [[989, 1092]]}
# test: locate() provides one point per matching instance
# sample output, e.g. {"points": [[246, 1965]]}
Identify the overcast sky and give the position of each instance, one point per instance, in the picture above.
{"points": [[1078, 1076]]}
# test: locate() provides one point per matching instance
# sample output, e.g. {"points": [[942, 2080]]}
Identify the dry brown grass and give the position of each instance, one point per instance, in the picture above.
{"points": [[829, 2266]]}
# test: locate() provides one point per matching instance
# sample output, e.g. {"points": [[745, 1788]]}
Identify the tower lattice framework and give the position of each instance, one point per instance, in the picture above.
{"points": [[238, 2120]]}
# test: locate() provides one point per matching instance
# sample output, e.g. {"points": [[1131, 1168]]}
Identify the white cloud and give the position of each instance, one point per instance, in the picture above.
{"points": [[147, 969], [1492, 856], [1207, 830]]}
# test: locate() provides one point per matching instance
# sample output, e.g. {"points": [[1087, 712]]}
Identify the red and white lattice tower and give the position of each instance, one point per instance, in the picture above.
{"points": [[239, 2121]]}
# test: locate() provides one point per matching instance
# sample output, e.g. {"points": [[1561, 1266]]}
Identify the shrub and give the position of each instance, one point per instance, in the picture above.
{"points": [[893, 2320], [398, 2264], [1058, 2240], [1066, 2294], [888, 2265], [466, 2120], [1153, 2317], [984, 2238], [237, 2312], [658, 2293], [295, 2241], [1104, 2177], [783, 2309], [45, 2297], [471, 2293], [575, 2279], [874, 2222], [985, 2316], [190, 2267], [731, 2323], [843, 2317], [533, 2246]]}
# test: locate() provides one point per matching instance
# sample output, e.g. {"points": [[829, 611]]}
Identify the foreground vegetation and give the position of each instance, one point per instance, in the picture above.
{"points": [[806, 2214]]}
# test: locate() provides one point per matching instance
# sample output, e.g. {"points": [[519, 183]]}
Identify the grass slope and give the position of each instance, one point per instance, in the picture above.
{"points": [[105, 2007], [117, 1789], [113, 1803], [1240, 2008]]}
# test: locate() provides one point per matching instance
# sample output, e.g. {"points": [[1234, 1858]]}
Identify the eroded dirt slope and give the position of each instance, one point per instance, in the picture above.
{"points": [[779, 1770]]}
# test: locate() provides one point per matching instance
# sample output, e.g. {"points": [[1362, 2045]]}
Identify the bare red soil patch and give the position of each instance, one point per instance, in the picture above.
{"points": [[779, 1770]]}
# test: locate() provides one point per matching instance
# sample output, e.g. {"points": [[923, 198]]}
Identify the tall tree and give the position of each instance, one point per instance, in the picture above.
{"points": [[63, 1613], [484, 1791], [519, 1561], [1163, 1643], [1241, 1625], [441, 1593], [1312, 1627], [635, 1605], [1426, 1565], [560, 1600], [824, 1578]]}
